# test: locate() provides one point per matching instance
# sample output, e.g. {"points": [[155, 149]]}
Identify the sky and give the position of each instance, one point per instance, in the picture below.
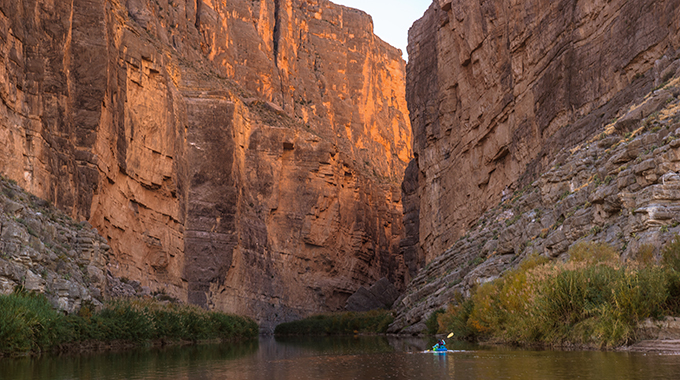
{"points": [[391, 18]]}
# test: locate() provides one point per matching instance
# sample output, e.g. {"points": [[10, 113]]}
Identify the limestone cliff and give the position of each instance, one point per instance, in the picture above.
{"points": [[242, 155], [620, 187], [497, 88], [43, 250], [584, 146]]}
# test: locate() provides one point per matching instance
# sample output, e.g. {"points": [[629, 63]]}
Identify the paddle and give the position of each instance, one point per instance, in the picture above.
{"points": [[449, 336]]}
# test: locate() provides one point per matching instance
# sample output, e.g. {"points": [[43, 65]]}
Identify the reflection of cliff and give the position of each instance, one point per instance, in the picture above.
{"points": [[245, 155], [496, 88], [173, 361]]}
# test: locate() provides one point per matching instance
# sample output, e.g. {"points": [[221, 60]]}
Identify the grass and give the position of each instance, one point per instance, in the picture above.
{"points": [[513, 220], [565, 195], [593, 299], [29, 324], [375, 321]]}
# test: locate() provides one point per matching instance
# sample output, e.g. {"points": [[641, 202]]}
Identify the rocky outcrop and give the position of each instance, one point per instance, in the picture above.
{"points": [[621, 187], [496, 89], [241, 155], [667, 328], [44, 251], [380, 295]]}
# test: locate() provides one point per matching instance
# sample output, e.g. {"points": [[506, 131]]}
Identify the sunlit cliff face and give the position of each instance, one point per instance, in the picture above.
{"points": [[322, 64], [242, 155]]}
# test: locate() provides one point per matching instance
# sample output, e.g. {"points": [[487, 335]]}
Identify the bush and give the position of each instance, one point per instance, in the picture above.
{"points": [[671, 254], [375, 321], [592, 299], [432, 323], [500, 306], [29, 324], [600, 304], [455, 319], [592, 253]]}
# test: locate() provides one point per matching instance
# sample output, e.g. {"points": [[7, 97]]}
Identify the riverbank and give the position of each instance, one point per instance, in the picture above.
{"points": [[591, 300], [371, 322], [30, 325]]}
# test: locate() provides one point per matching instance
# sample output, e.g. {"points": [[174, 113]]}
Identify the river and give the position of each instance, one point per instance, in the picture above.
{"points": [[347, 358]]}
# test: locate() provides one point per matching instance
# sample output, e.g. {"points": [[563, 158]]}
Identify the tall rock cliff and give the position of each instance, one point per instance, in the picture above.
{"points": [[497, 88], [241, 155], [620, 188]]}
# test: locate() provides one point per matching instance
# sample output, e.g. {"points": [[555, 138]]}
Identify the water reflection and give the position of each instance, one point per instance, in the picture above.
{"points": [[154, 363], [345, 358]]}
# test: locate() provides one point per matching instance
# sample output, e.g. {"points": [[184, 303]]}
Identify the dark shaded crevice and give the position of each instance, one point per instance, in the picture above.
{"points": [[277, 31], [199, 6]]}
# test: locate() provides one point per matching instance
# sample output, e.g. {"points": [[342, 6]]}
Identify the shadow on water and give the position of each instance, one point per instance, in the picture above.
{"points": [[143, 363], [343, 345], [344, 358]]}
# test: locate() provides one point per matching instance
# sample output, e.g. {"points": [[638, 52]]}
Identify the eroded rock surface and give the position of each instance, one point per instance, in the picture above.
{"points": [[497, 88], [380, 295], [44, 251], [241, 155], [619, 187]]}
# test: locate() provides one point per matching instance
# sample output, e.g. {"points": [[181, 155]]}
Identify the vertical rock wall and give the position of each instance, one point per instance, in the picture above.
{"points": [[323, 65], [242, 155], [496, 88]]}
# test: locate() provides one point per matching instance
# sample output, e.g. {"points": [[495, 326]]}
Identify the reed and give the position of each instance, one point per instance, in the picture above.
{"points": [[592, 299], [28, 323]]}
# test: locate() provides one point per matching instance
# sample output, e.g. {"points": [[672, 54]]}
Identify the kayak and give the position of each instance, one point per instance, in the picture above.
{"points": [[439, 351], [436, 352]]}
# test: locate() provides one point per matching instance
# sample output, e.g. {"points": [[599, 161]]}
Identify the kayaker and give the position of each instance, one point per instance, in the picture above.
{"points": [[440, 346]]}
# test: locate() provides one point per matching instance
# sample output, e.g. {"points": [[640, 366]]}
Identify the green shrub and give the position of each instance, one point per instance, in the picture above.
{"points": [[598, 304], [28, 323], [592, 253], [455, 319], [432, 322], [671, 254], [591, 299], [375, 321]]}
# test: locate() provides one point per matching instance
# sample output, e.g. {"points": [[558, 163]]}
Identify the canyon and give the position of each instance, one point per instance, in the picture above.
{"points": [[245, 156], [276, 159]]}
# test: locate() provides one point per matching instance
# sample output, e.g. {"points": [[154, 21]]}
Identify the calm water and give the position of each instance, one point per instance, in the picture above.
{"points": [[343, 359]]}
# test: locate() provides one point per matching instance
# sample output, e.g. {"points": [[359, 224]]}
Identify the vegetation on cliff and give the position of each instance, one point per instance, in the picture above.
{"points": [[29, 324], [619, 187], [591, 299], [375, 321]]}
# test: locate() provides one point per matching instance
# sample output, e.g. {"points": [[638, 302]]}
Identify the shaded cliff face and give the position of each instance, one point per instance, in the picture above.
{"points": [[495, 89], [240, 155], [620, 188], [44, 251]]}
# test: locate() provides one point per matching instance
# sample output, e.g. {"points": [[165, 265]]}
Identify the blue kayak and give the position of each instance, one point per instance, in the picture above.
{"points": [[438, 350]]}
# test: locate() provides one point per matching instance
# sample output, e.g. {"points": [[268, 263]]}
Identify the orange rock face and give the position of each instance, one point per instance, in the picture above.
{"points": [[496, 88], [242, 155]]}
